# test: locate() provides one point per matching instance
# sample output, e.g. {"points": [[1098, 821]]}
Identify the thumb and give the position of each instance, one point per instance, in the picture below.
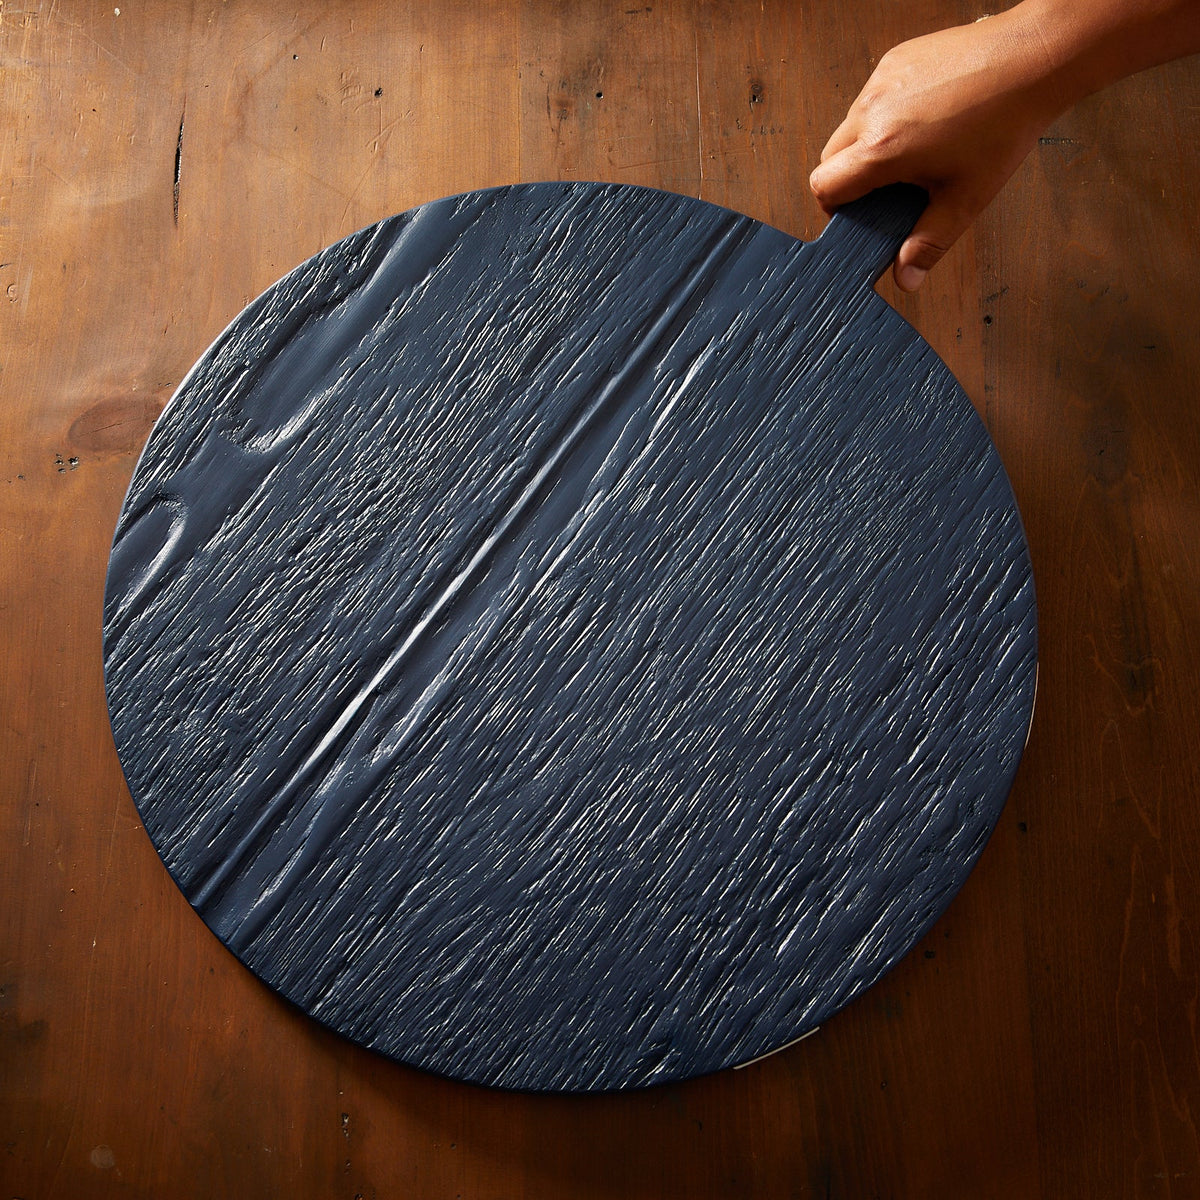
{"points": [[939, 227]]}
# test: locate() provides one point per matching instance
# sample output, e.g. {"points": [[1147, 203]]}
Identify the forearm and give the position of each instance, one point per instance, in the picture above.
{"points": [[1089, 44]]}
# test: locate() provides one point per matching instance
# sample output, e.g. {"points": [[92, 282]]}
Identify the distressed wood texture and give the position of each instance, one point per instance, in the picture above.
{"points": [[160, 167], [573, 636]]}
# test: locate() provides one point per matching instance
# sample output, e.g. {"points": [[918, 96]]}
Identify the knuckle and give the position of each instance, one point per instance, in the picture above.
{"points": [[879, 142]]}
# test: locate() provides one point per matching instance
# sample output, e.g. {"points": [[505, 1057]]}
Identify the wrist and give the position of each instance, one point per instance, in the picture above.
{"points": [[1053, 42]]}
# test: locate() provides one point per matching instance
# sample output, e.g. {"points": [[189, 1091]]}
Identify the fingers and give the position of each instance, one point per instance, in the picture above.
{"points": [[848, 174], [940, 226], [852, 172], [846, 134]]}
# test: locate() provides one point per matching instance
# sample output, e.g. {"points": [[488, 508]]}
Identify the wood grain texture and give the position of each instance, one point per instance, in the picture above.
{"points": [[572, 636], [1041, 1041]]}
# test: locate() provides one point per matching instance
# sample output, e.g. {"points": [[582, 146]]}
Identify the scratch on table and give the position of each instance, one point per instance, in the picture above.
{"points": [[178, 163]]}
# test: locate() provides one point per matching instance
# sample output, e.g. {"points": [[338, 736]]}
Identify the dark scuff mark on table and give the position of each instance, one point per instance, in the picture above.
{"points": [[178, 165]]}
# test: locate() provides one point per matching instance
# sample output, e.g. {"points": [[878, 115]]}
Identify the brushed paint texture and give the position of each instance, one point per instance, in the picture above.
{"points": [[572, 636]]}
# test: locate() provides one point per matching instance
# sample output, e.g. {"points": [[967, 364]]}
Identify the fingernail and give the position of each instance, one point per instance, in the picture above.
{"points": [[910, 278]]}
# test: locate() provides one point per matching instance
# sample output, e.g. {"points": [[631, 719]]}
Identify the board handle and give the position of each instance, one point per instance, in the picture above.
{"points": [[864, 235]]}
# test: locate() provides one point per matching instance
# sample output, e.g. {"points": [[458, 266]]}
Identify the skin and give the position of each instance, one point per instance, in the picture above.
{"points": [[958, 110]]}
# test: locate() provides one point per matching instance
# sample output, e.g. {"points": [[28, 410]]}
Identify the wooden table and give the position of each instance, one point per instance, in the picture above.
{"points": [[160, 164]]}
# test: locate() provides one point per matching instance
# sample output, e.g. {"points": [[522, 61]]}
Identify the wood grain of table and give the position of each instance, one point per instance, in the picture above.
{"points": [[162, 163]]}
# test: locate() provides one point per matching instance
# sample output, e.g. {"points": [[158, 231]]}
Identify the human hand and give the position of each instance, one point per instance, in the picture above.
{"points": [[955, 112]]}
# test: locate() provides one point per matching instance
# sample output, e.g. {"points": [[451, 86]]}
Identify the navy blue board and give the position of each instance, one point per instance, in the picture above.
{"points": [[572, 636]]}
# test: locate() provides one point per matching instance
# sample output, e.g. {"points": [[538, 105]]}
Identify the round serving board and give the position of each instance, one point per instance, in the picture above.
{"points": [[572, 636]]}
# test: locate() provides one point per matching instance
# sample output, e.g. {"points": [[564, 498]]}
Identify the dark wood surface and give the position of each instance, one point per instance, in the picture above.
{"points": [[1041, 1041]]}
